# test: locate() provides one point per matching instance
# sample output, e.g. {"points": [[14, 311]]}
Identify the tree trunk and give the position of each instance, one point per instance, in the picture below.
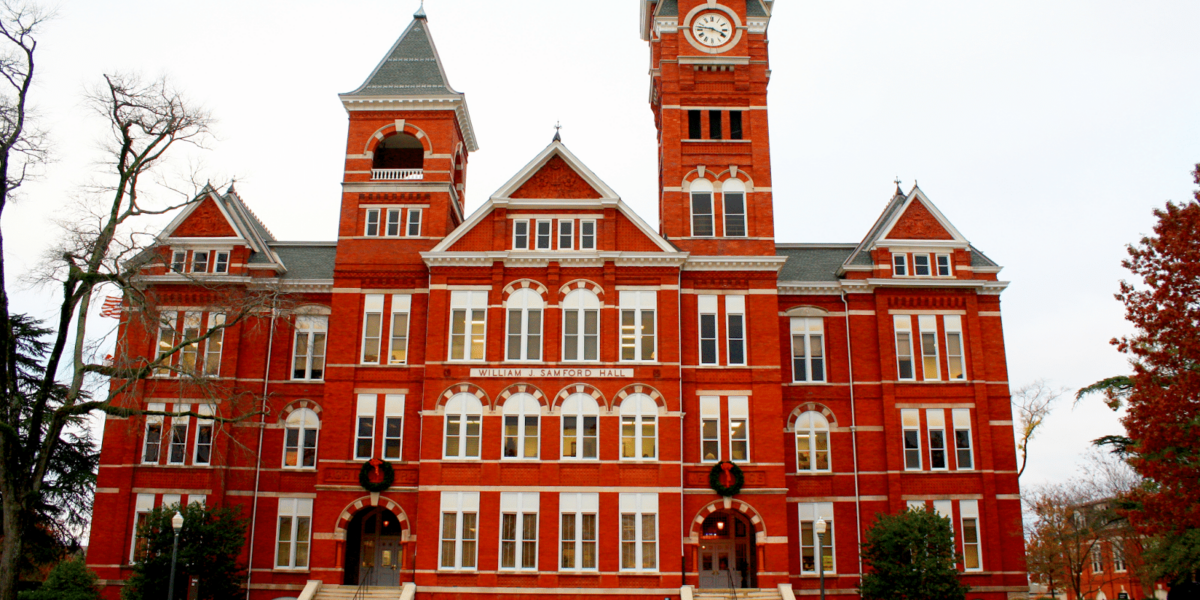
{"points": [[13, 545]]}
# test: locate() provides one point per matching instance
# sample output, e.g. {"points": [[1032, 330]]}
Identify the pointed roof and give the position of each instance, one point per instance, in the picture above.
{"points": [[575, 172], [241, 219], [898, 209], [411, 68]]}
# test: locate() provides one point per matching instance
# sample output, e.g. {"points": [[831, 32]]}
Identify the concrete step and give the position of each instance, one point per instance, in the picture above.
{"points": [[740, 594], [346, 592]]}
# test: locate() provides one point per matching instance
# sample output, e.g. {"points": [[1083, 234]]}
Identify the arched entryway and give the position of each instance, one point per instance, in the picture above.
{"points": [[374, 548], [727, 557]]}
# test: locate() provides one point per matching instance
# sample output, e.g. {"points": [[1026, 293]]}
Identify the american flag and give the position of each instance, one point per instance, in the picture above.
{"points": [[111, 307]]}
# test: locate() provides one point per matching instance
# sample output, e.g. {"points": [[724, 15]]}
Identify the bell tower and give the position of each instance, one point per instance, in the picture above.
{"points": [[709, 76]]}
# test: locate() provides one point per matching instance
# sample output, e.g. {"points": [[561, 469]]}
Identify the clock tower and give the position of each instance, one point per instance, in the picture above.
{"points": [[709, 73]]}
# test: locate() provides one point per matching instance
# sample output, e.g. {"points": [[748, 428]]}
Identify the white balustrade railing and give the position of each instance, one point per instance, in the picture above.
{"points": [[397, 174]]}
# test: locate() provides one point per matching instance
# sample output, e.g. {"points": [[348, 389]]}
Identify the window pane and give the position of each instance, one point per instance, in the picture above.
{"points": [[449, 535], [469, 536], [529, 535], [531, 437]]}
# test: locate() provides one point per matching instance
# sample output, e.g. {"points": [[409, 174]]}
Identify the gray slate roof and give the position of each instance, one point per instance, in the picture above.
{"points": [[754, 8], [812, 262], [411, 68], [312, 260], [233, 203], [668, 8]]}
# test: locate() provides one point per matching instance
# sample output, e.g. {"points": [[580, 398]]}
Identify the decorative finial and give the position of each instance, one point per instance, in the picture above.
{"points": [[420, 14], [557, 135]]}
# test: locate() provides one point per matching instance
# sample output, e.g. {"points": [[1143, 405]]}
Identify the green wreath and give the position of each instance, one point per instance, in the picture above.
{"points": [[385, 469], [714, 479]]}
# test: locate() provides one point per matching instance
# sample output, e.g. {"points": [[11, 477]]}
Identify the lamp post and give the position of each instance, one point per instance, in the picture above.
{"points": [[176, 524], [819, 527]]}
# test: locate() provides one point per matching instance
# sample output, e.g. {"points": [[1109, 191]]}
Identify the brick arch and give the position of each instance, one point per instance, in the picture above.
{"points": [[695, 174], [353, 507], [811, 406], [740, 175], [522, 284], [464, 388], [579, 284], [295, 405], [389, 130], [580, 388], [745, 508], [640, 388], [523, 388]]}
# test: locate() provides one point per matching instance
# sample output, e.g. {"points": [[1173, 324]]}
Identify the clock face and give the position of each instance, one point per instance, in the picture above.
{"points": [[712, 29]]}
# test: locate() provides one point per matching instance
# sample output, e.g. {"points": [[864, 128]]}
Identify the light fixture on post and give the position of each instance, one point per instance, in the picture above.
{"points": [[819, 528], [176, 524]]}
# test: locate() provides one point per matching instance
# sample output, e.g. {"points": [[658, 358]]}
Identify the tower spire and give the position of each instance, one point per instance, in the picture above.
{"points": [[557, 132], [420, 14]]}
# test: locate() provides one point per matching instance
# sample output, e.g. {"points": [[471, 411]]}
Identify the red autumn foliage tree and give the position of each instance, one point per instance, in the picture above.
{"points": [[1163, 393]]}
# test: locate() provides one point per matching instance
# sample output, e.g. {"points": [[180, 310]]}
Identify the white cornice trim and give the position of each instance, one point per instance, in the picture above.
{"points": [[922, 245], [797, 288], [436, 102], [205, 241], [542, 259], [735, 263]]}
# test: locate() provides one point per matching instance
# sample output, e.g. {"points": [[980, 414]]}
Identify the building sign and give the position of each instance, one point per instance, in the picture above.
{"points": [[1123, 596], [573, 373]]}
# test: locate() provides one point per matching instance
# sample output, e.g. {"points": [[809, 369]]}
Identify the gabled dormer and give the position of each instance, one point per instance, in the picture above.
{"points": [[215, 235], [913, 240]]}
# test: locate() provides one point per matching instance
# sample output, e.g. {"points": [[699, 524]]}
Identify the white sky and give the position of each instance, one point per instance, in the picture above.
{"points": [[1046, 130]]}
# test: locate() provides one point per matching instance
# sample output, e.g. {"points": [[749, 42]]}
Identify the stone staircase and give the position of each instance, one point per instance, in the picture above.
{"points": [[738, 594], [317, 591]]}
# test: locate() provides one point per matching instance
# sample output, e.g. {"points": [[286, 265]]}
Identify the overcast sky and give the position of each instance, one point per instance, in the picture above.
{"points": [[1046, 130]]}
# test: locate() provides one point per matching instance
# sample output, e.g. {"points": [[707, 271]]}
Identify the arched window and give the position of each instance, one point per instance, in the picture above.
{"points": [[639, 416], [464, 418], [702, 208], [300, 439], [524, 326], [580, 427], [581, 326], [733, 200], [521, 426], [812, 442], [398, 152]]}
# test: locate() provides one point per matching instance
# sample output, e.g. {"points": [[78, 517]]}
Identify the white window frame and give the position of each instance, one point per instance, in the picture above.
{"points": [[173, 442], [587, 235], [525, 302], [961, 418], [311, 327], [414, 223], [400, 322], [577, 506], [178, 261], [899, 265], [459, 504], [197, 265], [810, 428], [547, 236], [1117, 547], [581, 302], [521, 407], [566, 232], [364, 427], [935, 423], [153, 420], [953, 329], [710, 429], [910, 421], [217, 340], [706, 306], [733, 187], [142, 507], [918, 267], [393, 412], [372, 341], [640, 507], [580, 407], [739, 412], [298, 510], [735, 312], [372, 226], [809, 513], [474, 306], [189, 355], [464, 406], [809, 331], [521, 237], [927, 325], [203, 425], [702, 187], [968, 510], [220, 261], [640, 411], [945, 268], [395, 223], [641, 308], [519, 505], [904, 347], [308, 424]]}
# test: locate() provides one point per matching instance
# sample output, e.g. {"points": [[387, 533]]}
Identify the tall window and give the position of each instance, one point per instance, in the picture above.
{"points": [[372, 328], [972, 553], [735, 124], [177, 450], [735, 329], [639, 416], [189, 353], [921, 265], [459, 534], [707, 307], [962, 438], [178, 260], [204, 436], [300, 439], [518, 530], [639, 532], [580, 426], [294, 533], [468, 324], [935, 419], [810, 513], [372, 229], [220, 262], [581, 326], [638, 325], [1097, 559], [733, 193], [525, 308], [587, 235], [213, 345], [714, 124], [464, 414], [393, 222], [167, 323], [393, 426], [702, 208], [899, 265], [694, 132], [137, 547], [808, 349], [929, 347], [199, 262], [543, 235], [710, 429], [954, 347], [364, 427], [152, 441], [308, 357], [812, 442], [943, 265], [577, 531], [904, 357], [401, 306], [739, 429], [414, 222], [566, 234], [1118, 555], [521, 426], [910, 420], [520, 235]]}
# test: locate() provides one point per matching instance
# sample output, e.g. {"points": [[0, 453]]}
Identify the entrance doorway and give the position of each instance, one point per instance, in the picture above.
{"points": [[726, 557], [374, 549]]}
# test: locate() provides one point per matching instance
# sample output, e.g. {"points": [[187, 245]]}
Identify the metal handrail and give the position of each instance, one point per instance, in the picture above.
{"points": [[363, 580], [729, 574]]}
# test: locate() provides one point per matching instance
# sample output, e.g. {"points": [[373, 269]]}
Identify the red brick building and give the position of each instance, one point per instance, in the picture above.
{"points": [[552, 381]]}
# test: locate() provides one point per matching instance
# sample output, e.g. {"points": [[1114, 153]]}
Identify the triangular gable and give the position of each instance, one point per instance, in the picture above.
{"points": [[574, 168], [206, 220], [917, 223], [556, 179]]}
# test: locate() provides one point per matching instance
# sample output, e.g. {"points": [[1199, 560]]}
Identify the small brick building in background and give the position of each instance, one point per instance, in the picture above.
{"points": [[551, 385]]}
